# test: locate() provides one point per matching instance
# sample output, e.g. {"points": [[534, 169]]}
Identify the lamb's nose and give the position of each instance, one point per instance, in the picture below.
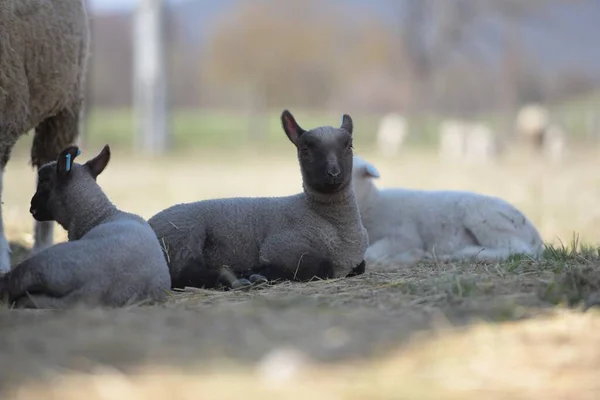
{"points": [[333, 172]]}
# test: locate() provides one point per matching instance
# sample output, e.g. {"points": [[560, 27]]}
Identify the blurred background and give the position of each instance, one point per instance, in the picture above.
{"points": [[497, 96]]}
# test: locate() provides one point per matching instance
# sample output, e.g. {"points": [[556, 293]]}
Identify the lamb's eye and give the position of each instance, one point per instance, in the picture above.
{"points": [[349, 145], [305, 151]]}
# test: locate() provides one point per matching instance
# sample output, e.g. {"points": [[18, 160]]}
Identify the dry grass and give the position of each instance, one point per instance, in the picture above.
{"points": [[208, 344]]}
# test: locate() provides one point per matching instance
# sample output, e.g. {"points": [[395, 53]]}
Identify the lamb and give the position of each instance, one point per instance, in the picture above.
{"points": [[112, 257], [43, 57], [405, 226], [316, 233]]}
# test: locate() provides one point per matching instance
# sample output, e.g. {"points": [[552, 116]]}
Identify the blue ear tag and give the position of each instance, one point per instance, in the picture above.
{"points": [[68, 156]]}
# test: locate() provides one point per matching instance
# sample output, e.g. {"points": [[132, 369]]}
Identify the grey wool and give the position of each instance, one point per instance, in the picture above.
{"points": [[316, 233], [44, 47], [112, 258]]}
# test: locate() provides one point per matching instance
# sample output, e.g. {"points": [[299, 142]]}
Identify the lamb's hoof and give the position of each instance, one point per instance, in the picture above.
{"points": [[241, 283], [257, 279]]}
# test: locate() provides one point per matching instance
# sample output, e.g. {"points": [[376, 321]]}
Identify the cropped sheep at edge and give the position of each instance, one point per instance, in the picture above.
{"points": [[112, 258], [40, 89]]}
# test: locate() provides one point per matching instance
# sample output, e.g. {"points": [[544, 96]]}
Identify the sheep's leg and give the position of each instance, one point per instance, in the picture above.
{"points": [[4, 247], [41, 301], [479, 253], [307, 268], [395, 251], [5, 150], [358, 270], [51, 136], [498, 233], [36, 275]]}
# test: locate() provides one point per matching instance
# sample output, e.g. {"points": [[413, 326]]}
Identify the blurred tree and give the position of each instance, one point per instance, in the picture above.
{"points": [[297, 52]]}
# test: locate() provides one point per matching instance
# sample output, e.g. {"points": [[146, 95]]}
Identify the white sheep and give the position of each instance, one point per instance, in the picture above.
{"points": [[112, 257], [391, 134], [405, 226], [452, 140], [316, 233], [554, 142], [531, 122], [480, 144], [43, 57]]}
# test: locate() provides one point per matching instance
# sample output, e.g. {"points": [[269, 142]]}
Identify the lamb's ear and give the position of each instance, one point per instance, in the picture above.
{"points": [[97, 164], [371, 171], [65, 160], [347, 124], [291, 127]]}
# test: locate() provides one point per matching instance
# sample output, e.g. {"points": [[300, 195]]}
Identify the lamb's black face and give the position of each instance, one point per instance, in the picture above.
{"points": [[325, 153], [40, 202], [325, 156]]}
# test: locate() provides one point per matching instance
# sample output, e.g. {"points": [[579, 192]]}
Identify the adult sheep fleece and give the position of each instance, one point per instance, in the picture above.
{"points": [[406, 225], [43, 56], [316, 233]]}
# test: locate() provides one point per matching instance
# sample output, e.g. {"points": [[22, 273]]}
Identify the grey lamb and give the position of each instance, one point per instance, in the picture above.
{"points": [[316, 233], [112, 257], [43, 56]]}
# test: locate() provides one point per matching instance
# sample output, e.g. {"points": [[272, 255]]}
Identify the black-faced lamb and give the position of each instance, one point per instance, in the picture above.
{"points": [[405, 226], [316, 233], [112, 258], [43, 56]]}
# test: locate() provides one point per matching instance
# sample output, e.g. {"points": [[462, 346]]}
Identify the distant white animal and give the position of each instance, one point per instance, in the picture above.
{"points": [[480, 144], [452, 140], [532, 120], [466, 141], [554, 143], [391, 134], [405, 226]]}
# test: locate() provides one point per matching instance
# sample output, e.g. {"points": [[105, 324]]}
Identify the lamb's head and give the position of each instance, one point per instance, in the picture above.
{"points": [[363, 173], [62, 182], [325, 154]]}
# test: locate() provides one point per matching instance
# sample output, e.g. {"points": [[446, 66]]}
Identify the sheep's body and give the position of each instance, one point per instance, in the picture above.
{"points": [[118, 262], [242, 233], [113, 258], [43, 56], [317, 233], [406, 225]]}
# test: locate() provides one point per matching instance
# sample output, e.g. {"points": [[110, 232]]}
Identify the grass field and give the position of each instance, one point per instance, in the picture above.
{"points": [[434, 331]]}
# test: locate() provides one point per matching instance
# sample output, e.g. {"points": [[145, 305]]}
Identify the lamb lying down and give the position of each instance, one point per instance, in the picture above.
{"points": [[112, 258], [405, 226], [316, 233]]}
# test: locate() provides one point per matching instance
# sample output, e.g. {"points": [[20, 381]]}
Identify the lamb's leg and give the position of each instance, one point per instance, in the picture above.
{"points": [[480, 253], [497, 233], [394, 251], [41, 301], [5, 150], [358, 270], [51, 136], [308, 267], [195, 274], [35, 276], [4, 247]]}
